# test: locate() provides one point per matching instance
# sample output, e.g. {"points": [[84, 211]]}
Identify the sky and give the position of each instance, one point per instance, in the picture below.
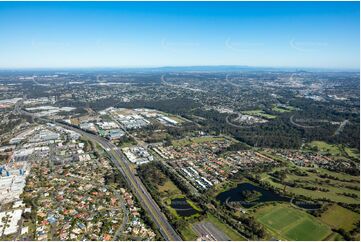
{"points": [[153, 34]]}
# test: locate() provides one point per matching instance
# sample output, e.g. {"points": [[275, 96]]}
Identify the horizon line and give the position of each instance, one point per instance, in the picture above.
{"points": [[179, 66]]}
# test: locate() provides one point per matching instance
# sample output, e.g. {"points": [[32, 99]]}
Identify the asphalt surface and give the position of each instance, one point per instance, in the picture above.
{"points": [[138, 188], [207, 229]]}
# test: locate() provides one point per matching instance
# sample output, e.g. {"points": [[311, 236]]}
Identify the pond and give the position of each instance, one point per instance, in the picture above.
{"points": [[182, 207], [237, 196]]}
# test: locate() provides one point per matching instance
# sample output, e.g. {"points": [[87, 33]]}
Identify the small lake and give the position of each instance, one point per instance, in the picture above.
{"points": [[182, 207], [234, 197]]}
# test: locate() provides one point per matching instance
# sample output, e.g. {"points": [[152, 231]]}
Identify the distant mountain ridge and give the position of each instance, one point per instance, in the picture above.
{"points": [[206, 68]]}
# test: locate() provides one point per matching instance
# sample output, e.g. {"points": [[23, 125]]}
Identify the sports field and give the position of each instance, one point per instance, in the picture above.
{"points": [[288, 223]]}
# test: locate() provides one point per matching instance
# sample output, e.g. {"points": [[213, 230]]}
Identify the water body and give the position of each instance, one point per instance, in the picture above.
{"points": [[182, 207], [233, 197]]}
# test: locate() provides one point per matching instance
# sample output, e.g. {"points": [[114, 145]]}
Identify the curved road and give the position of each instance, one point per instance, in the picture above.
{"points": [[139, 190]]}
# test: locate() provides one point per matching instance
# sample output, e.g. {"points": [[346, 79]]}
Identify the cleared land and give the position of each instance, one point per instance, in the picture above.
{"points": [[286, 222], [340, 218], [259, 113], [176, 118]]}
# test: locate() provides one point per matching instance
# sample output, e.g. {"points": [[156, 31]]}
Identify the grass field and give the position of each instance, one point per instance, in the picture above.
{"points": [[187, 233], [327, 148], [231, 233], [289, 223], [187, 141], [338, 217], [169, 188], [282, 109], [353, 153], [259, 113]]}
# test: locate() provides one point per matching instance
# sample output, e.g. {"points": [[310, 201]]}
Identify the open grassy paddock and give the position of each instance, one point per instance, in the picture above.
{"points": [[169, 188], [289, 223], [340, 218]]}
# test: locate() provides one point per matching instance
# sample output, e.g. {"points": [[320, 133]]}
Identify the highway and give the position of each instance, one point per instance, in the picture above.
{"points": [[136, 185]]}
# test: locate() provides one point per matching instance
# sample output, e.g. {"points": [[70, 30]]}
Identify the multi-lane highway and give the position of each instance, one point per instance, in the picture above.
{"points": [[138, 188]]}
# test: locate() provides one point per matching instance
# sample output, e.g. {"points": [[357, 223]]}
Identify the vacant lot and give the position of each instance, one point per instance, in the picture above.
{"points": [[340, 218], [286, 222]]}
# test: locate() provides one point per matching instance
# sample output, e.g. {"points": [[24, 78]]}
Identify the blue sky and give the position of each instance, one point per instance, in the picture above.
{"points": [[141, 34]]}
